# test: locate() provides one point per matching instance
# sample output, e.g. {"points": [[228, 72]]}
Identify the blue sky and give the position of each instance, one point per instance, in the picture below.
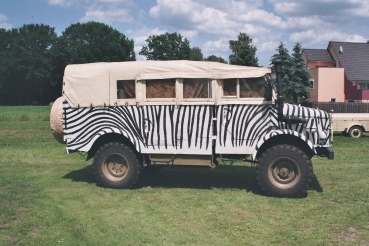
{"points": [[208, 24]]}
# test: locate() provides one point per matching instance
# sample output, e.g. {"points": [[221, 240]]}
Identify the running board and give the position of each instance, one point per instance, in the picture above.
{"points": [[181, 160]]}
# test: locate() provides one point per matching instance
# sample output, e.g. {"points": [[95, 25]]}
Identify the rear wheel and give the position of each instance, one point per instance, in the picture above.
{"points": [[116, 166], [356, 132], [284, 171]]}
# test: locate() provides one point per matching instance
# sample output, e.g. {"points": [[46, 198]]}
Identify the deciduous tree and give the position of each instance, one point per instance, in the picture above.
{"points": [[215, 59], [26, 64], [168, 46], [86, 43], [196, 54]]}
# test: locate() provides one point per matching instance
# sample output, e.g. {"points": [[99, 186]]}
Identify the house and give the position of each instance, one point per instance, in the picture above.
{"points": [[339, 73]]}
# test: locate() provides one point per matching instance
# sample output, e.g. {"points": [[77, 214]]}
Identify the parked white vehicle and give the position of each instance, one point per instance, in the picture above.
{"points": [[140, 115], [353, 124]]}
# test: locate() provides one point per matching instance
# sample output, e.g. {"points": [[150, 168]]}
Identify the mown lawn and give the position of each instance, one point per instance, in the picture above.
{"points": [[50, 198]]}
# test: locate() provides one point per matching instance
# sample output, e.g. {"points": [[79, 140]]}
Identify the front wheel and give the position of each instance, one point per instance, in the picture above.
{"points": [[284, 171], [116, 166]]}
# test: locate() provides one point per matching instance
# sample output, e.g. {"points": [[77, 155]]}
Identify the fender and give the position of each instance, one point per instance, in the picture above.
{"points": [[274, 133], [85, 146], [355, 124]]}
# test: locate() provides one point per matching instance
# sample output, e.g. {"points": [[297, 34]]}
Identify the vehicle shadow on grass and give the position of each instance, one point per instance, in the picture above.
{"points": [[222, 177], [85, 174]]}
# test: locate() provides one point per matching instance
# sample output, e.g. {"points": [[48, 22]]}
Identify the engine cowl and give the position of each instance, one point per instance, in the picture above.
{"points": [[56, 120]]}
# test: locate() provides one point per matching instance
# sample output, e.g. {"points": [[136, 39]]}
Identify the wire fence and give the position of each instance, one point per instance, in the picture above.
{"points": [[339, 107]]}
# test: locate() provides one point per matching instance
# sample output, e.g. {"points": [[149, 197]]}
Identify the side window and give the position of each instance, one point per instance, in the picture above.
{"points": [[161, 88], [126, 89], [252, 87], [229, 87], [197, 88]]}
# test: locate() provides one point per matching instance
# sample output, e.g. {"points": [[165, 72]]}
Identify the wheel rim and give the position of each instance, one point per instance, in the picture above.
{"points": [[284, 173], [115, 167], [355, 133]]}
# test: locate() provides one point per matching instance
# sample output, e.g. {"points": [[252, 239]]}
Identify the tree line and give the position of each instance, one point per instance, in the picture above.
{"points": [[33, 58]]}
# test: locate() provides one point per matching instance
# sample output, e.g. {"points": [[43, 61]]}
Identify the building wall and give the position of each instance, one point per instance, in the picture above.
{"points": [[329, 83], [354, 93], [333, 54], [314, 64], [314, 91], [365, 96]]}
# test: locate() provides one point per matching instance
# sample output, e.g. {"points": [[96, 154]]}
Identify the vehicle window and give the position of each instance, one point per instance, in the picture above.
{"points": [[161, 88], [126, 89], [196, 88], [230, 87], [252, 87]]}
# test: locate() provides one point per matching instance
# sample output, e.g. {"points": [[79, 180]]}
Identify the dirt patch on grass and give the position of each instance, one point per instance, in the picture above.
{"points": [[353, 235], [21, 215]]}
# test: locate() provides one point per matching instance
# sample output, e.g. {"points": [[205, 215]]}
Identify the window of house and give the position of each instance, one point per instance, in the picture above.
{"points": [[229, 87], [333, 99], [197, 88], [126, 89], [161, 88], [364, 86], [311, 84]]}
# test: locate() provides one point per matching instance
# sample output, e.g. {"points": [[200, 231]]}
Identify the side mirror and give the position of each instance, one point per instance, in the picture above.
{"points": [[268, 94]]}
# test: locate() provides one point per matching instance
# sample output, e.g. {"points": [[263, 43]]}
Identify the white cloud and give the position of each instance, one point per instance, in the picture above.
{"points": [[327, 8], [268, 46], [139, 37], [189, 34], [3, 22], [107, 16], [313, 37], [218, 47], [69, 3], [255, 30], [63, 3], [188, 14]]}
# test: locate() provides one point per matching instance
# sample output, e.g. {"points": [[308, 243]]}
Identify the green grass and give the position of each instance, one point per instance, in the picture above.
{"points": [[49, 198], [25, 113]]}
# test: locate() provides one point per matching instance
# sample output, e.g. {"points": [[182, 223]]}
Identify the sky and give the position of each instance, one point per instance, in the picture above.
{"points": [[207, 24]]}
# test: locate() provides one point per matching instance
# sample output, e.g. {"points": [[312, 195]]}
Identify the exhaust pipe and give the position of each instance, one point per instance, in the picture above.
{"points": [[280, 98]]}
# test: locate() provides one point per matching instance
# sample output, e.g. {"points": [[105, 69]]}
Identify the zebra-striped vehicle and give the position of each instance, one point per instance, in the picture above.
{"points": [[137, 116]]}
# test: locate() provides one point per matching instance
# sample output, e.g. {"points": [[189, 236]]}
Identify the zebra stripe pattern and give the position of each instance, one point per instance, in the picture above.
{"points": [[149, 128], [185, 129], [241, 125]]}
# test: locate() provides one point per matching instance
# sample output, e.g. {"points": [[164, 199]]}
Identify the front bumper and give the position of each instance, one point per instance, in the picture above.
{"points": [[326, 152]]}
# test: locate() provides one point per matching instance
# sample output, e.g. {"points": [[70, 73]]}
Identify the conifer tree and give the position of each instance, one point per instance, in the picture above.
{"points": [[243, 51], [295, 77], [301, 74]]}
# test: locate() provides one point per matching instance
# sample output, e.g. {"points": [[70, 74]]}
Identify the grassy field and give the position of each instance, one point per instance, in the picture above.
{"points": [[49, 198]]}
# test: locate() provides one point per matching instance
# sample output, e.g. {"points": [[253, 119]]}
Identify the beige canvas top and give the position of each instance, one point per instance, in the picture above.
{"points": [[90, 84]]}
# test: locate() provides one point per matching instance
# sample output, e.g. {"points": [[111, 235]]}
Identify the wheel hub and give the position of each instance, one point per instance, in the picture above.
{"points": [[115, 167], [284, 172]]}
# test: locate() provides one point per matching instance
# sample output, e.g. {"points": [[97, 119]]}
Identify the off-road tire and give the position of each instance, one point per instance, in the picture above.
{"points": [[116, 166], [284, 171], [356, 132]]}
